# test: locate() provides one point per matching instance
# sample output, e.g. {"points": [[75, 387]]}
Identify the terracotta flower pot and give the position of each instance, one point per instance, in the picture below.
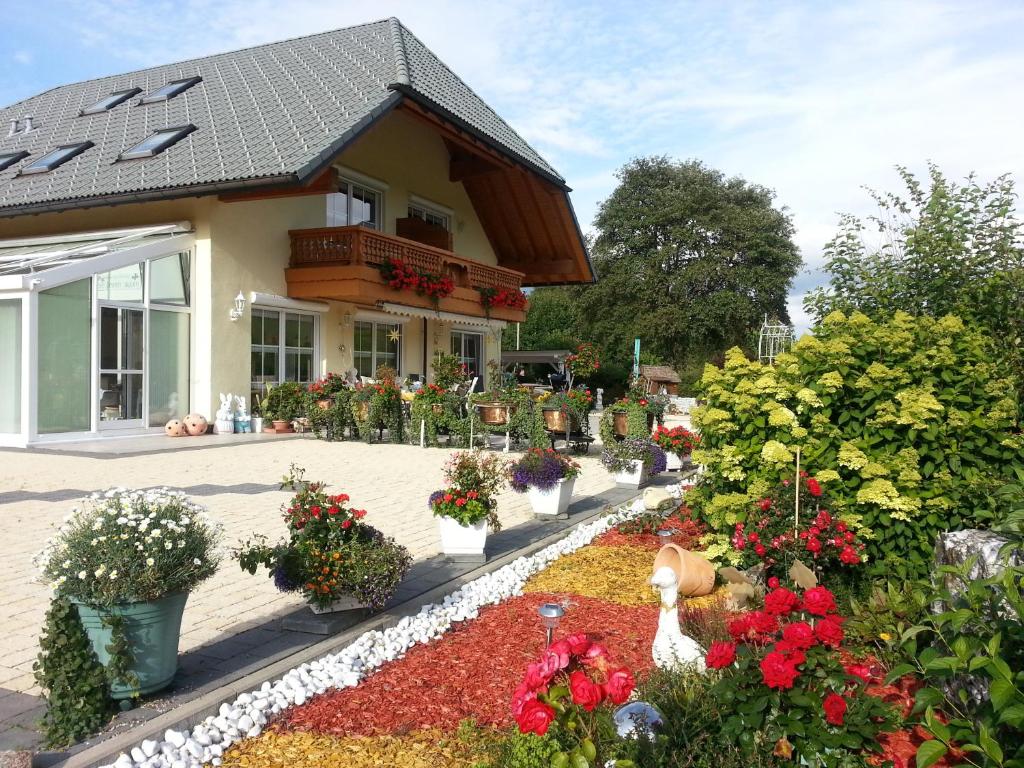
{"points": [[280, 425], [696, 575]]}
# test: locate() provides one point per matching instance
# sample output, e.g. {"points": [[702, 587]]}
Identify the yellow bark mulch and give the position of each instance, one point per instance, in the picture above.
{"points": [[618, 574], [417, 749]]}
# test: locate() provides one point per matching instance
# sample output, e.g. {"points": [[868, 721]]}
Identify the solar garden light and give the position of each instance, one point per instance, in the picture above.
{"points": [[550, 614]]}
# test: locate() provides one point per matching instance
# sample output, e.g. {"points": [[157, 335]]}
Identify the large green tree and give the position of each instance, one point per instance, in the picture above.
{"points": [[688, 260], [936, 248]]}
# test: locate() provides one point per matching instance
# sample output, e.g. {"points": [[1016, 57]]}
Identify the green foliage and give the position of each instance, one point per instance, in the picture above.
{"points": [[527, 750], [439, 410], [908, 423], [376, 407], [975, 642], [552, 322], [284, 402], [73, 681], [942, 248], [332, 423]]}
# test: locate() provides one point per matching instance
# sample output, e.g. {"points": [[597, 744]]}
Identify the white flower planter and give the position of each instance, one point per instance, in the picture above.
{"points": [[673, 462], [343, 603], [636, 477], [459, 539], [257, 424], [554, 501]]}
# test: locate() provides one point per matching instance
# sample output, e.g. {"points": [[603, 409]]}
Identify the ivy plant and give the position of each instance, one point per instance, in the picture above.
{"points": [[74, 683]]}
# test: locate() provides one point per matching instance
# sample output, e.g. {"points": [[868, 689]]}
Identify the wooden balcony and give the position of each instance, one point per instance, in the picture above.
{"points": [[342, 263]]}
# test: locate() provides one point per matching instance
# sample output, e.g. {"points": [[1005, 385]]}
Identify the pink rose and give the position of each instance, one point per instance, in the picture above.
{"points": [[579, 644], [585, 691], [619, 685], [535, 717]]}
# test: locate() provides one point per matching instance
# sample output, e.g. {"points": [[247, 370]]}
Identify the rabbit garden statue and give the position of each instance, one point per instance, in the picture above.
{"points": [[242, 421], [225, 420]]}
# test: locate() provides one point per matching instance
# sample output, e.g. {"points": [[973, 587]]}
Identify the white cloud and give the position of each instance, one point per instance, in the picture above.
{"points": [[22, 57]]}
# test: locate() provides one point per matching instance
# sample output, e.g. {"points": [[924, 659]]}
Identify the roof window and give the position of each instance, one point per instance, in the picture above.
{"points": [[111, 101], [157, 142], [56, 158], [169, 91], [7, 159]]}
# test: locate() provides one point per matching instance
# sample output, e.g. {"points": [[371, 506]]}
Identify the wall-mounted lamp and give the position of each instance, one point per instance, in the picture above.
{"points": [[239, 308]]}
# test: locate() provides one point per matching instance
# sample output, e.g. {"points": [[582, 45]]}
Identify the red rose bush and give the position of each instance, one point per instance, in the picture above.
{"points": [[786, 684], [773, 535], [572, 678]]}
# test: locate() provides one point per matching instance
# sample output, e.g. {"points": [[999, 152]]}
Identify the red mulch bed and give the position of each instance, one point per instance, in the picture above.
{"points": [[688, 537], [470, 673]]}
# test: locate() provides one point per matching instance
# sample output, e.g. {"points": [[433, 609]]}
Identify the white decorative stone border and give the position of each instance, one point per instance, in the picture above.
{"points": [[246, 716]]}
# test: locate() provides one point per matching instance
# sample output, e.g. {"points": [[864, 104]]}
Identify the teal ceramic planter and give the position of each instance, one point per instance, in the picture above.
{"points": [[152, 630]]}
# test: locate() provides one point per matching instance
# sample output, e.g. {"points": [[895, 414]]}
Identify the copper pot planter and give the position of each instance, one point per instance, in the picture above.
{"points": [[361, 410], [495, 414], [438, 408], [620, 423], [324, 404], [557, 420]]}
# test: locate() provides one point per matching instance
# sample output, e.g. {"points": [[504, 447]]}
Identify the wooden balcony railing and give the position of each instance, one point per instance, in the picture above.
{"points": [[341, 246]]}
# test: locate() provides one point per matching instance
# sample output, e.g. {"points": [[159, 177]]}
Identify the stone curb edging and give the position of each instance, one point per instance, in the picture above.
{"points": [[196, 711]]}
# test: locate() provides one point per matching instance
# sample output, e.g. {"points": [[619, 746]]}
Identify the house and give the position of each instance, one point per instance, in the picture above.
{"points": [[660, 378], [229, 221]]}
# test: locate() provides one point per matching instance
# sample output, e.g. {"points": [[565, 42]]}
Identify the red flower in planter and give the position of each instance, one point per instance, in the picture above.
{"points": [[835, 709]]}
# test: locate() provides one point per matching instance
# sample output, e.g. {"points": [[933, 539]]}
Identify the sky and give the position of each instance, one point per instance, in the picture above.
{"points": [[815, 100]]}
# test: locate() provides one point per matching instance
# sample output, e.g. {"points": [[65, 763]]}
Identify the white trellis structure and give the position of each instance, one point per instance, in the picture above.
{"points": [[774, 339]]}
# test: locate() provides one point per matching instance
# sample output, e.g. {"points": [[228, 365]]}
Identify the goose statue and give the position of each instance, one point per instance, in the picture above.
{"points": [[678, 571]]}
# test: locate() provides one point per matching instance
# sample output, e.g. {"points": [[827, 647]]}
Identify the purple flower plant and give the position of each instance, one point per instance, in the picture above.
{"points": [[434, 498], [541, 469], [659, 462]]}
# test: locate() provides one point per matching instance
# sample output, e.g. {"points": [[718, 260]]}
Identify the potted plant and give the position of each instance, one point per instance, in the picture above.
{"points": [[495, 406], [677, 442], [466, 508], [547, 477], [567, 411], [127, 560], [379, 406], [323, 391], [283, 405], [633, 460], [334, 559]]}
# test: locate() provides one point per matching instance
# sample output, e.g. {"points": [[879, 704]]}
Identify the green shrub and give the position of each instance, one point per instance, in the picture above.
{"points": [[971, 658], [909, 423], [73, 681], [527, 750]]}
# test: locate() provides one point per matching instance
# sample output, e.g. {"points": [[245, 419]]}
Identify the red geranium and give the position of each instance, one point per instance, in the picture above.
{"points": [[720, 655]]}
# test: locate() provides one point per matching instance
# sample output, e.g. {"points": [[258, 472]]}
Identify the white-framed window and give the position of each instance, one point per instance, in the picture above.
{"points": [[355, 203], [468, 346], [430, 215], [375, 344], [284, 348]]}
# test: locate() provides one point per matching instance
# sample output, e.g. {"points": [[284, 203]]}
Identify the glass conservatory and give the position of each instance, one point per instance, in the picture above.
{"points": [[95, 332]]}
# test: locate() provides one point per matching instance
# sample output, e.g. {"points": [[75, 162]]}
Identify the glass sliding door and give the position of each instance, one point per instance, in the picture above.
{"points": [[10, 365], [65, 365], [122, 355], [168, 366]]}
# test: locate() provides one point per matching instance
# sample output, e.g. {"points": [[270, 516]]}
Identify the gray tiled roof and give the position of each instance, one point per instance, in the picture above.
{"points": [[273, 113]]}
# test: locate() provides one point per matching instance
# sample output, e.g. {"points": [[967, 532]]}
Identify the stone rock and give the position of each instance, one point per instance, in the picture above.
{"points": [[733, 575], [802, 576], [657, 499], [177, 738], [957, 547]]}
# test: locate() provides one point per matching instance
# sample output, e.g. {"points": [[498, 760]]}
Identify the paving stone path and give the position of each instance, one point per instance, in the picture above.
{"points": [[233, 623]]}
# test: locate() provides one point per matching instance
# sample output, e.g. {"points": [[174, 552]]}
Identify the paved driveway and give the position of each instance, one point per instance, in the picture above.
{"points": [[238, 484]]}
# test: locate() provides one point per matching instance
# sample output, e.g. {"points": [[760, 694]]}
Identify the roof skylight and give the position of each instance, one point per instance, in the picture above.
{"points": [[111, 101], [56, 158], [169, 91], [157, 142], [7, 159]]}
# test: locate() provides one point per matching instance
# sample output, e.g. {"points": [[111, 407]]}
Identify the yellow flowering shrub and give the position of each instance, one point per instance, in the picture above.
{"points": [[908, 420]]}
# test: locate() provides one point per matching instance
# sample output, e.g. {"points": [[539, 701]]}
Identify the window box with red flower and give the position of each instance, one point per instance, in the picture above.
{"points": [[404, 277], [494, 296], [333, 558]]}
